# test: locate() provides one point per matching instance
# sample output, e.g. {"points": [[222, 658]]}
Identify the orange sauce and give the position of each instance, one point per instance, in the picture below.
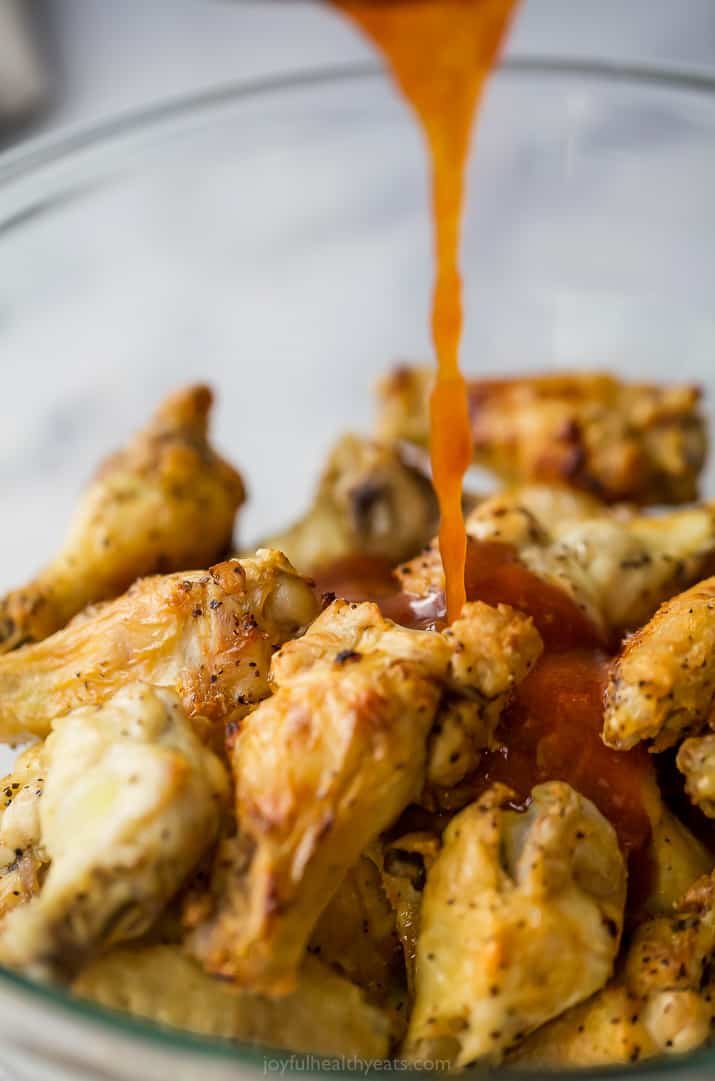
{"points": [[440, 53], [552, 732]]}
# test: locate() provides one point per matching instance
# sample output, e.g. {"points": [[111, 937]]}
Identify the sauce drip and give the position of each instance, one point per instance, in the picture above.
{"points": [[440, 53]]}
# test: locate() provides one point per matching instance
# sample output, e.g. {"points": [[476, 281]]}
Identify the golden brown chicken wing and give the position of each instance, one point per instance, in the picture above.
{"points": [[321, 768], [131, 801], [166, 502], [325, 1014], [657, 1003], [662, 685], [636, 442], [615, 569], [370, 502], [208, 635], [521, 918]]}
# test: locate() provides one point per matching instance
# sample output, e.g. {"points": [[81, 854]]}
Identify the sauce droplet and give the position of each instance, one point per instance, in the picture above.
{"points": [[440, 53]]}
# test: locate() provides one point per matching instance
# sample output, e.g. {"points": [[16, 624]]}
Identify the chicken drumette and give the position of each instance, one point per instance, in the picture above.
{"points": [[166, 502]]}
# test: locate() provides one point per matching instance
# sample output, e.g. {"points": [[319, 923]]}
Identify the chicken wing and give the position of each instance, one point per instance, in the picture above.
{"points": [[325, 1014], [662, 685], [638, 442], [131, 801], [166, 502], [521, 918], [493, 649], [22, 856], [657, 1004], [208, 635], [614, 569], [321, 768], [370, 502]]}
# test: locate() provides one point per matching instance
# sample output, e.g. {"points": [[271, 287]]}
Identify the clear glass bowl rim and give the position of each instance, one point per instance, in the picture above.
{"points": [[21, 163]]}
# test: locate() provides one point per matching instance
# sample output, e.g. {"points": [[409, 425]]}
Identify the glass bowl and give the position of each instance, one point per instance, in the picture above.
{"points": [[274, 240]]}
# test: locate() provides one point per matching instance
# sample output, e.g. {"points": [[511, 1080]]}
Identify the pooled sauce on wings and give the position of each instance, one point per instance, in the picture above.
{"points": [[440, 53], [552, 731]]}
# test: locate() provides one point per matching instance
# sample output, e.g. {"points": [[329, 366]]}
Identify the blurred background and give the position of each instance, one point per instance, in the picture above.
{"points": [[278, 245], [74, 62]]}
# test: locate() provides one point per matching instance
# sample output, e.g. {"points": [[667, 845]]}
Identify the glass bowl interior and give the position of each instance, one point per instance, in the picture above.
{"points": [[274, 240]]}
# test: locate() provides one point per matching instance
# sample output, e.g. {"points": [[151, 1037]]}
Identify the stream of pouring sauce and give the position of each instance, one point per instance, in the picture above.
{"points": [[440, 53]]}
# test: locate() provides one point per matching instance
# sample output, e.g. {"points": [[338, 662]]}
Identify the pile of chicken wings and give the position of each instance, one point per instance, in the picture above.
{"points": [[260, 808]]}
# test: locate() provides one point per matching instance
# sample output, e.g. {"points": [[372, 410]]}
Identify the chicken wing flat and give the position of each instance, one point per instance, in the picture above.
{"points": [[662, 686], [637, 442], [166, 502], [131, 801], [321, 768], [612, 570], [521, 918], [325, 1014], [370, 502], [208, 635], [22, 856], [657, 1004]]}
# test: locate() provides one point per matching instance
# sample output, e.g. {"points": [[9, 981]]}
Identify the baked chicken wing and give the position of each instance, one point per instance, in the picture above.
{"points": [[166, 502], [658, 1003], [638, 442], [521, 918], [208, 635], [131, 801], [325, 1014], [614, 569], [321, 768], [662, 686], [493, 649], [370, 502]]}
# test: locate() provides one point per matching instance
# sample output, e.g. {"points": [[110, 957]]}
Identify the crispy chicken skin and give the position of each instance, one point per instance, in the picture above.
{"points": [[131, 801], [370, 501], [521, 919], [662, 686], [616, 568], [166, 502], [635, 442], [321, 768], [208, 635], [658, 1003], [326, 1014], [493, 649], [22, 857]]}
